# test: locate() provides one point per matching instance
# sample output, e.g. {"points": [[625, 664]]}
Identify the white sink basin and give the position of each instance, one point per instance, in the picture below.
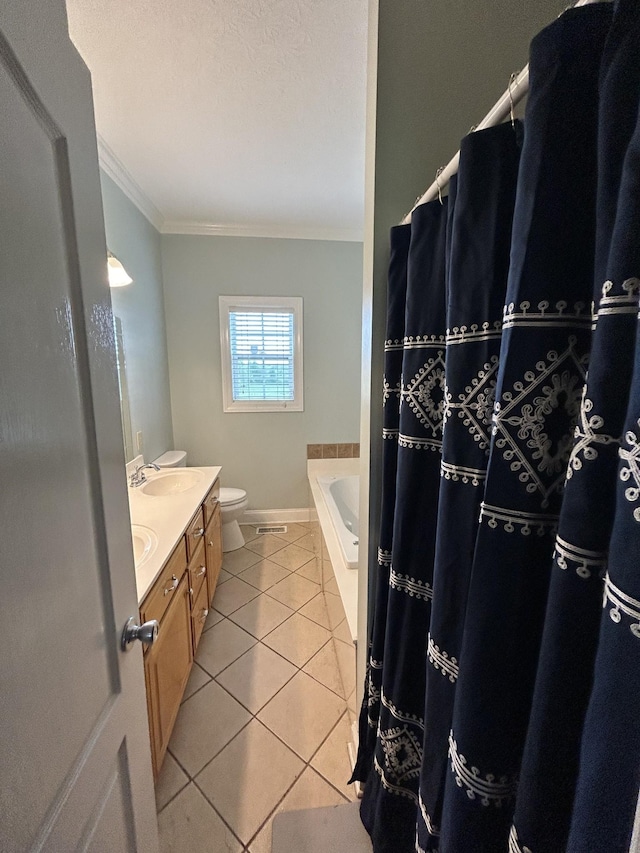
{"points": [[171, 482], [145, 543]]}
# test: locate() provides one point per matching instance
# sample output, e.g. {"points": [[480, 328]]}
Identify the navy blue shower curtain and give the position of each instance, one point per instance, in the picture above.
{"points": [[403, 610], [500, 714], [477, 283]]}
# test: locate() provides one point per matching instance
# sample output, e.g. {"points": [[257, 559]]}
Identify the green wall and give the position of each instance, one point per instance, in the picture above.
{"points": [[264, 453], [136, 243]]}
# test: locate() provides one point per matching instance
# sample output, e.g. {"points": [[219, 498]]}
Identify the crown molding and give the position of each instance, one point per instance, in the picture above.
{"points": [[276, 232], [113, 167]]}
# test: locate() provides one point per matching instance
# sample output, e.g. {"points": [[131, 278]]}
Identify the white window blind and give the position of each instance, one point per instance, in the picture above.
{"points": [[261, 347], [262, 355]]}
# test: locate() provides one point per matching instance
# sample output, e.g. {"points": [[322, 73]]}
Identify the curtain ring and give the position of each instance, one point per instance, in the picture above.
{"points": [[438, 173], [513, 82]]}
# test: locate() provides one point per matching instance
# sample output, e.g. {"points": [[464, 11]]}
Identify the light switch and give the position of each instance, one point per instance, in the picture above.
{"points": [[139, 441]]}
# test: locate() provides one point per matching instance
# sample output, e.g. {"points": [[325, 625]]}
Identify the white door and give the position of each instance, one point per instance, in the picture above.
{"points": [[75, 768]]}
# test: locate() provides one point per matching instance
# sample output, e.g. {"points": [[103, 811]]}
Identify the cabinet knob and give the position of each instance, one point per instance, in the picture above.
{"points": [[174, 585], [198, 532], [147, 633], [203, 571], [205, 613]]}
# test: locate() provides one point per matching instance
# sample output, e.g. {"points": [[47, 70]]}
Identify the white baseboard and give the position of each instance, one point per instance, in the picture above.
{"points": [[275, 516]]}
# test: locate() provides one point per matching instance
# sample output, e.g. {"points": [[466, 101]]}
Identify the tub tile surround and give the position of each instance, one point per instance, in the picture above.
{"points": [[265, 721], [333, 451]]}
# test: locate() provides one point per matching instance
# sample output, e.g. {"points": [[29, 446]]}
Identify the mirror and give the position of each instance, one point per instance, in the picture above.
{"points": [[125, 410]]}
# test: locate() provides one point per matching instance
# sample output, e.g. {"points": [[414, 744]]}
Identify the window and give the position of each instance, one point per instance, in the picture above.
{"points": [[261, 340]]}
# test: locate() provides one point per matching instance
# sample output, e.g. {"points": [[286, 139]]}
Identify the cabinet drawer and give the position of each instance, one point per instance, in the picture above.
{"points": [[164, 589], [197, 570], [211, 501], [199, 613], [195, 533]]}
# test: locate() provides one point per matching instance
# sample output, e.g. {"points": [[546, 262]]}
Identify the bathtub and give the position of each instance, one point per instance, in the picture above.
{"points": [[341, 495]]}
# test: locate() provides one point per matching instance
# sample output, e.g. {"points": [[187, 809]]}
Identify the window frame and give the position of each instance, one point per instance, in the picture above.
{"points": [[294, 304]]}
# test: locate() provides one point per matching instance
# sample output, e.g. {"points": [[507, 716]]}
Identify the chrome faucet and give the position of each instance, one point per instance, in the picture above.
{"points": [[138, 478]]}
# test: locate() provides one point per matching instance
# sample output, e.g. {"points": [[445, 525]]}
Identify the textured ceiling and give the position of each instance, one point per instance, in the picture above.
{"points": [[246, 113]]}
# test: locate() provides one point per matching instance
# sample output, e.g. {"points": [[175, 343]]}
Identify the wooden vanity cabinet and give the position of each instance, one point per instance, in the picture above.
{"points": [[167, 665], [180, 599]]}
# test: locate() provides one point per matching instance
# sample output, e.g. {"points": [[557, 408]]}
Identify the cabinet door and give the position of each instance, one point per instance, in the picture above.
{"points": [[213, 538], [167, 665]]}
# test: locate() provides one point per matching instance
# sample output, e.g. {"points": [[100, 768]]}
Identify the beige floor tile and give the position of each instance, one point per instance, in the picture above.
{"points": [[261, 615], [346, 654], [256, 677], [213, 618], [327, 573], [293, 591], [232, 595], [298, 639], [332, 759], [311, 571], [248, 779], [311, 791], [352, 704], [224, 576], [316, 610], [302, 714], [335, 610], [266, 545], [206, 722], [292, 557], [249, 532], [294, 532], [189, 824], [237, 561], [264, 574], [308, 542], [197, 679], [323, 666], [331, 586], [343, 632], [262, 842], [171, 780], [221, 645]]}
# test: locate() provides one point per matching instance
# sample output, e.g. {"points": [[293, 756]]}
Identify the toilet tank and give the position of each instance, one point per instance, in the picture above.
{"points": [[172, 459]]}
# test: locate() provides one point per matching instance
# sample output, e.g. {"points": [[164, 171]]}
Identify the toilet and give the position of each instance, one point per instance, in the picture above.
{"points": [[172, 459], [233, 503]]}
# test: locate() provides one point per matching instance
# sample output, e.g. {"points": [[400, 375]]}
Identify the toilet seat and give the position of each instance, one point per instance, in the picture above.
{"points": [[231, 497]]}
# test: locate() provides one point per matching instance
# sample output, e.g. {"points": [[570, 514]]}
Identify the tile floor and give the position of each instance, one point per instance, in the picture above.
{"points": [[264, 723]]}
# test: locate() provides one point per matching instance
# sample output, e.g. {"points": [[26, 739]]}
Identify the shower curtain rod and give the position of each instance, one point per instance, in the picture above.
{"points": [[515, 92]]}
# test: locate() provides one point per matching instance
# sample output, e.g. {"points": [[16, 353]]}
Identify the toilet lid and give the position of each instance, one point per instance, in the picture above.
{"points": [[231, 496]]}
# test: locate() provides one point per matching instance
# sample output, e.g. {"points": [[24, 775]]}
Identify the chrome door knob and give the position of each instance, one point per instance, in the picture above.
{"points": [[147, 633]]}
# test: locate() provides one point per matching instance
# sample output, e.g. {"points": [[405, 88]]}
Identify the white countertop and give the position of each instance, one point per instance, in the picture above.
{"points": [[347, 579], [168, 516]]}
